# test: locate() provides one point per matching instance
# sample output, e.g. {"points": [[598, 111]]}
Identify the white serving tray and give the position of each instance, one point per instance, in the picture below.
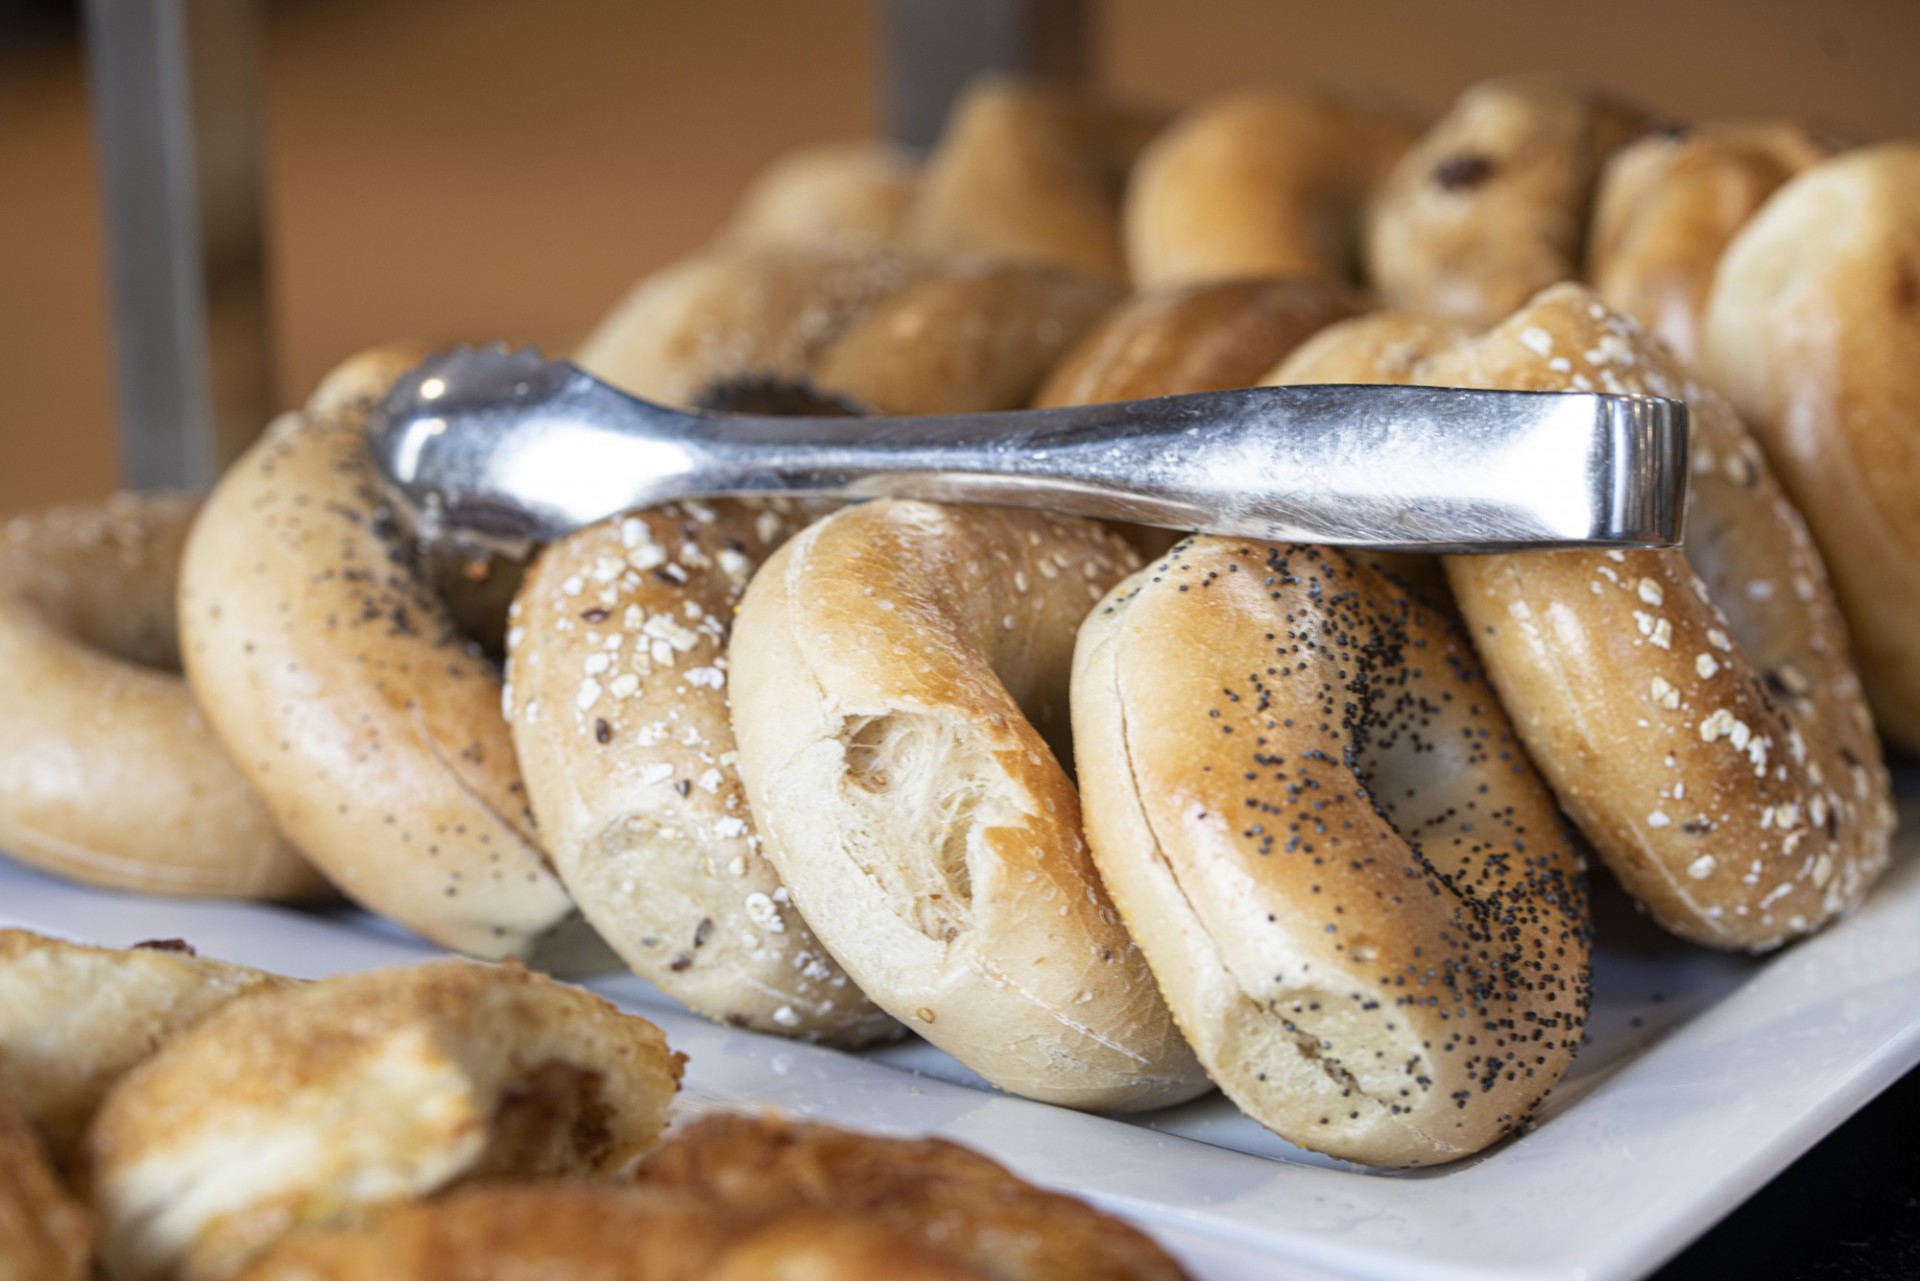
{"points": [[1703, 1076]]}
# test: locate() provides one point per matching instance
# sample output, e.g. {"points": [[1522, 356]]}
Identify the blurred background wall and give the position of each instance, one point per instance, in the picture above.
{"points": [[450, 169]]}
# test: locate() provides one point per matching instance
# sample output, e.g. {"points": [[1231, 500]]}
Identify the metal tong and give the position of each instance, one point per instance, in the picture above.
{"points": [[498, 450]]}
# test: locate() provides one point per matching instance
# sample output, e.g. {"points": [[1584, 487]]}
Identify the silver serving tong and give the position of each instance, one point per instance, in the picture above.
{"points": [[496, 450]]}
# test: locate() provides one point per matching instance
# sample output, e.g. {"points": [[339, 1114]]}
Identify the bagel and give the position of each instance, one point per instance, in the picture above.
{"points": [[76, 1018], [1695, 710], [616, 693], [1032, 174], [892, 334], [108, 772], [1207, 337], [1265, 182], [881, 660], [750, 1200], [306, 1105], [334, 675], [44, 1233], [1491, 204], [1359, 900], [1813, 331], [846, 195], [1668, 205]]}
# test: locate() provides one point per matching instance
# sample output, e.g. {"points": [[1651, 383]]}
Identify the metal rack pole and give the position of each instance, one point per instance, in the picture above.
{"points": [[175, 90], [934, 47]]}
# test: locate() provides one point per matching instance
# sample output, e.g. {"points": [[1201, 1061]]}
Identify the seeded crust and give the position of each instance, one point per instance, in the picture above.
{"points": [[616, 691], [1667, 207], [1491, 204], [76, 1018], [1696, 711], [1030, 174], [334, 674], [108, 772], [890, 666], [308, 1104], [1357, 896], [894, 334], [734, 1199], [44, 1233], [1813, 331], [837, 195], [1265, 182]]}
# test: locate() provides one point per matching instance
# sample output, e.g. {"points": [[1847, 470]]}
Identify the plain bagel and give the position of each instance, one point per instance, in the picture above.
{"points": [[1813, 331], [885, 664], [108, 771], [335, 676], [1359, 899]]}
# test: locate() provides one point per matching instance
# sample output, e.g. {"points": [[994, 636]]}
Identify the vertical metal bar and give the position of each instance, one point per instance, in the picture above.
{"points": [[934, 47], [175, 92]]}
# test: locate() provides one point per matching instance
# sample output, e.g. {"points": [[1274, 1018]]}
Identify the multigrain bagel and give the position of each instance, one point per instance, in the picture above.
{"points": [[76, 1018], [1666, 208], [337, 679], [45, 1234], [617, 694], [893, 334], [885, 664], [1492, 203], [1359, 900], [1266, 182], [1206, 337], [305, 1105], [1813, 331], [108, 772], [739, 1199], [1696, 711]]}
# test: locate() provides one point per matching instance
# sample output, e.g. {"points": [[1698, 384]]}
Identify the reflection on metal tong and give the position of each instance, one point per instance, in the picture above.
{"points": [[497, 450]]}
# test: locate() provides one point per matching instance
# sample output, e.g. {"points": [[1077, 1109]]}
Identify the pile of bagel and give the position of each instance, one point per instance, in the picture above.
{"points": [[169, 1117], [1113, 820]]}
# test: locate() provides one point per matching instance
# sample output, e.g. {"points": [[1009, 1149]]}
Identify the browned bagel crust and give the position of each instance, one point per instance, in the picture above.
{"points": [[347, 695], [1813, 331], [108, 771], [1359, 900], [1668, 205], [307, 1104], [886, 663], [1206, 337], [836, 195], [617, 694], [1696, 711], [734, 1199], [1492, 203], [45, 1234], [1264, 182]]}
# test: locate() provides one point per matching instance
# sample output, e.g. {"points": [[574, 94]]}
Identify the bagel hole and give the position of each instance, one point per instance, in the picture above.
{"points": [[915, 783], [553, 1120]]}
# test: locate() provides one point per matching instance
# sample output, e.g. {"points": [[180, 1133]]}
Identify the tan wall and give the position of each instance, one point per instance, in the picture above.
{"points": [[496, 168]]}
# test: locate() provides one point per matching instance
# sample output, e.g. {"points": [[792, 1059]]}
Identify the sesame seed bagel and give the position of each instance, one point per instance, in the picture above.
{"points": [[1696, 710], [1813, 331], [108, 772], [305, 1105], [1668, 205], [616, 691], [76, 1018], [1491, 204], [1357, 896], [889, 665], [1265, 182], [335, 676]]}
